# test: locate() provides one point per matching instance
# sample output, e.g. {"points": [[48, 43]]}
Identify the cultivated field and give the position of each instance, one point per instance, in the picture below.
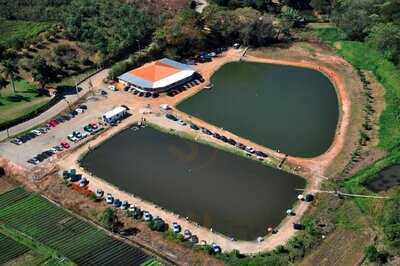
{"points": [[44, 222]]}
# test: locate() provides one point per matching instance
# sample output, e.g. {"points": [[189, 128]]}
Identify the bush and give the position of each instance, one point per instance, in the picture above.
{"points": [[373, 255], [109, 218], [158, 224]]}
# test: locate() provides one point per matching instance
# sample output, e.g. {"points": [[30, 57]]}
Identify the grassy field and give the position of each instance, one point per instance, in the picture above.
{"points": [[24, 101], [20, 31], [382, 215], [34, 221]]}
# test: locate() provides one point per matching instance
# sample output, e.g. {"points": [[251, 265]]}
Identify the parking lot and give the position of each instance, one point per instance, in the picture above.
{"points": [[58, 132]]}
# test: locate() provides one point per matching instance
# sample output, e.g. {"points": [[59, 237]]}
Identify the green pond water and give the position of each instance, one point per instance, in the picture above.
{"points": [[233, 195], [288, 108]]}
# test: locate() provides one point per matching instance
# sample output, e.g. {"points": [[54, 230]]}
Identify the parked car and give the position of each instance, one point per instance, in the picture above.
{"points": [[171, 117], [124, 205], [194, 239], [194, 127], [88, 128], [117, 203], [65, 145], [36, 132], [181, 122], [109, 199], [16, 141], [187, 234], [99, 193], [33, 161], [147, 216], [83, 182], [72, 138], [176, 228], [215, 249]]}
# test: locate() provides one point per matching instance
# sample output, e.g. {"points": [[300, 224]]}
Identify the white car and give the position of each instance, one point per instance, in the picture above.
{"points": [[109, 198], [187, 234], [36, 132], [182, 123], [176, 228], [250, 149], [147, 216], [124, 205], [72, 138], [83, 182], [99, 193], [79, 110]]}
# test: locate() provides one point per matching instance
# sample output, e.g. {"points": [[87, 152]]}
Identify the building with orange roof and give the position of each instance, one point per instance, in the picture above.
{"points": [[158, 76]]}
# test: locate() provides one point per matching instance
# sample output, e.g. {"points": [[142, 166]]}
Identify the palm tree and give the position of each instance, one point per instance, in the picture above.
{"points": [[10, 68]]}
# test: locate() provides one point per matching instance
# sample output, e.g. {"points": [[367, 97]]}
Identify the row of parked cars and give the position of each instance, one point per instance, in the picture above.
{"points": [[48, 126], [185, 87], [48, 153], [89, 129], [250, 151], [136, 213]]}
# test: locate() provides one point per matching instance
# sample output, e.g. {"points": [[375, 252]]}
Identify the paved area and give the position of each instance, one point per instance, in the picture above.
{"points": [[20, 154], [96, 80]]}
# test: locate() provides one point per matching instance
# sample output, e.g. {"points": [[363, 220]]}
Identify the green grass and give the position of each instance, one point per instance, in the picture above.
{"points": [[365, 57], [12, 31], [152, 262], [24, 101], [330, 35]]}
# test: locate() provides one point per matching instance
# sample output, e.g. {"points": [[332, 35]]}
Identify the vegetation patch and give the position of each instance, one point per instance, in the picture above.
{"points": [[42, 222], [13, 33]]}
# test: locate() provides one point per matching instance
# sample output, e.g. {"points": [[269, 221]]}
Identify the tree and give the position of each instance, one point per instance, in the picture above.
{"points": [[386, 38], [3, 83], [373, 255], [43, 73], [109, 219], [322, 6], [10, 69]]}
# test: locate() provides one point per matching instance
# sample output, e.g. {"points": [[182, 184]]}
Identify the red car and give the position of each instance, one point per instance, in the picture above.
{"points": [[53, 123], [94, 125], [65, 145]]}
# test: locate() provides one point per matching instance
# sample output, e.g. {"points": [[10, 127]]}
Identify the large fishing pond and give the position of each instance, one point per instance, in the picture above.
{"points": [[233, 195], [288, 108]]}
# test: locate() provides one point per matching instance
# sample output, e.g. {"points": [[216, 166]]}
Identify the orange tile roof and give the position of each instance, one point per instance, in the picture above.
{"points": [[154, 71]]}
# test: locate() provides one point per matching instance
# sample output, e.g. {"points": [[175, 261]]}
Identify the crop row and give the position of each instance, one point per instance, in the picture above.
{"points": [[68, 235], [10, 249]]}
